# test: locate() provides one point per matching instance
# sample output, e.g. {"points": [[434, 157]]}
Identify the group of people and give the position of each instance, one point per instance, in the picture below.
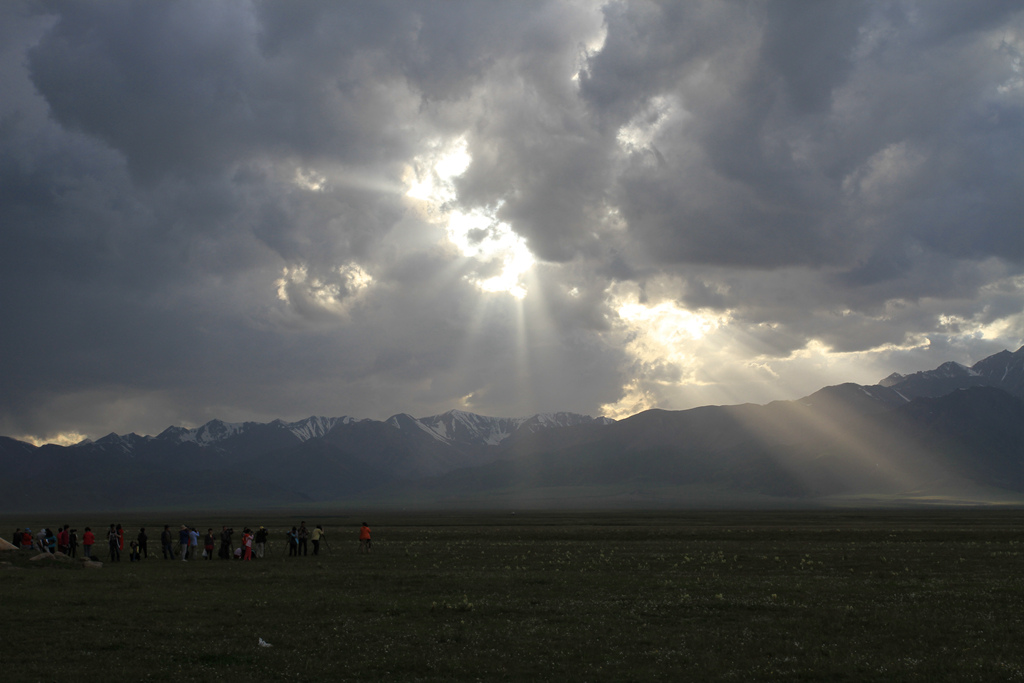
{"points": [[64, 540], [253, 543], [299, 537]]}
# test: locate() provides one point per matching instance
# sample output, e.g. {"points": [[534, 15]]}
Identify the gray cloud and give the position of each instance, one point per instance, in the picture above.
{"points": [[204, 206]]}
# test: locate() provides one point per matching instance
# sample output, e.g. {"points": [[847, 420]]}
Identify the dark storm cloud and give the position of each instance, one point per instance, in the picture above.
{"points": [[185, 87], [203, 205], [877, 147]]}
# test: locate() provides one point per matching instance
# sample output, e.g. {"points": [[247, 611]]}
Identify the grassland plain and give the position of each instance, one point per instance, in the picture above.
{"points": [[933, 595]]}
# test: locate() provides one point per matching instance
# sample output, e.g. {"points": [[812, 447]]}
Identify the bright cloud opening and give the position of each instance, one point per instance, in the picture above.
{"points": [[334, 293], [667, 323], [480, 236], [477, 233], [639, 134], [667, 344], [309, 180], [664, 338], [635, 399], [430, 178]]}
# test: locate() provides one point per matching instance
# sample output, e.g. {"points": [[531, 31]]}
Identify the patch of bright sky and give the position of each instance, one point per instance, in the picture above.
{"points": [[353, 281], [683, 358], [635, 399], [590, 48], [663, 340], [309, 180], [62, 439], [640, 132], [965, 327], [477, 233]]}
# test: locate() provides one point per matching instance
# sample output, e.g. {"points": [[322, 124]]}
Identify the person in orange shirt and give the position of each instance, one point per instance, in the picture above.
{"points": [[365, 544]]}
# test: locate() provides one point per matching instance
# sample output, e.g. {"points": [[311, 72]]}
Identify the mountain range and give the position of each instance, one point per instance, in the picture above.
{"points": [[954, 434]]}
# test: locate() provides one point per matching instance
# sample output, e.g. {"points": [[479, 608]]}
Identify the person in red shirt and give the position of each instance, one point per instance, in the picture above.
{"points": [[247, 544], [364, 539], [88, 538]]}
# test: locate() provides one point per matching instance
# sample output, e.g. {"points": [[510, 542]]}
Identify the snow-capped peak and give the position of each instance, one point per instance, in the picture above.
{"points": [[470, 428], [954, 369], [209, 433], [891, 380], [125, 443], [314, 426]]}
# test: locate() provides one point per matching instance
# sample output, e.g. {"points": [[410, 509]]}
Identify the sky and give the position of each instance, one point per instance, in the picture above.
{"points": [[257, 210]]}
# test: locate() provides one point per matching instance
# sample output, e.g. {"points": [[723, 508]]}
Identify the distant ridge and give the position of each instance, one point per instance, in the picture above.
{"points": [[952, 434], [216, 431], [1003, 370], [452, 427]]}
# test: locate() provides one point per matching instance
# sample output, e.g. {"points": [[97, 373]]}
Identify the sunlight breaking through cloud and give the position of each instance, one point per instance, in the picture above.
{"points": [[630, 204], [664, 341], [480, 236], [501, 254], [635, 399], [662, 335]]}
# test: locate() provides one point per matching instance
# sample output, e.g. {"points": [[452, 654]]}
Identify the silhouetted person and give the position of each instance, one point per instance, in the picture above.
{"points": [[318, 535], [115, 544], [166, 542]]}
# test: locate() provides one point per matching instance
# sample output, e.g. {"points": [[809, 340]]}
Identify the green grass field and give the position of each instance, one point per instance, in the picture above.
{"points": [[838, 596]]}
